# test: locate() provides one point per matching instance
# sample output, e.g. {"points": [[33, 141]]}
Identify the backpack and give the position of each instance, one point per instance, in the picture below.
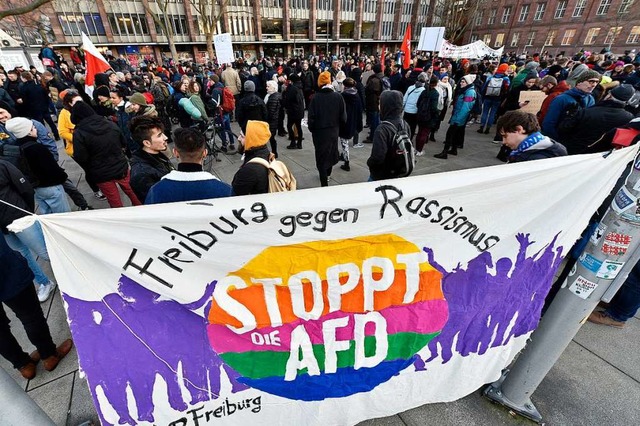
{"points": [[228, 100], [494, 87], [403, 153], [424, 106], [280, 178]]}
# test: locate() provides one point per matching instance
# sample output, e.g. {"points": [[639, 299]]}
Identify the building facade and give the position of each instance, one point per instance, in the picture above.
{"points": [[556, 26], [257, 27]]}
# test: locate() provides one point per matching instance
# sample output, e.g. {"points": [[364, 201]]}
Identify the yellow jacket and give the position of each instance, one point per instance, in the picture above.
{"points": [[65, 129]]}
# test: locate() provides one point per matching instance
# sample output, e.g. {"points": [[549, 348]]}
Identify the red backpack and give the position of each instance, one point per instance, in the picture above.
{"points": [[228, 101]]}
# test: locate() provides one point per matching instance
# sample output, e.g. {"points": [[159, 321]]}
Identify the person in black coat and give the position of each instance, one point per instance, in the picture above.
{"points": [[250, 106], [35, 100], [273, 101], [98, 146], [293, 100], [327, 112], [353, 126], [583, 129], [148, 164]]}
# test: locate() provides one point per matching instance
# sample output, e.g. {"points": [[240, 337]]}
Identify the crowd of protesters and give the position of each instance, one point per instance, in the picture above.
{"points": [[120, 132]]}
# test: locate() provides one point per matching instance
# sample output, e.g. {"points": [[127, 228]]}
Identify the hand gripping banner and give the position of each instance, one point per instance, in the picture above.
{"points": [[321, 306]]}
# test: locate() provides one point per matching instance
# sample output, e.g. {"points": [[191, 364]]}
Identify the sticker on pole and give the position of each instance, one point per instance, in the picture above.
{"points": [[582, 287], [590, 262], [616, 244], [609, 269], [623, 200], [598, 233]]}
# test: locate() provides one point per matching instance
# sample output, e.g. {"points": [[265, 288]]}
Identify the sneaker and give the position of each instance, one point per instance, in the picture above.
{"points": [[602, 318], [359, 145], [45, 290], [496, 142], [99, 195], [419, 153]]}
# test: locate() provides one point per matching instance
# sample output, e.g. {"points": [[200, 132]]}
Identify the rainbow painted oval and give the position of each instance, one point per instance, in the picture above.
{"points": [[327, 318]]}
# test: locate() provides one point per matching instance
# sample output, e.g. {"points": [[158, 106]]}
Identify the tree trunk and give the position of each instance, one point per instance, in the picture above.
{"points": [[210, 45], [172, 47]]}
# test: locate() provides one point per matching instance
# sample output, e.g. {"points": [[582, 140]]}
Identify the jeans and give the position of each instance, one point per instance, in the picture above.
{"points": [[226, 129], [489, 111], [374, 120], [29, 242], [52, 199], [110, 190], [626, 302], [27, 308]]}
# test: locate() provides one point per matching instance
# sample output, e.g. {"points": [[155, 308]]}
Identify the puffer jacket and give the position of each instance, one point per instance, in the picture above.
{"points": [[293, 100], [273, 111], [463, 106]]}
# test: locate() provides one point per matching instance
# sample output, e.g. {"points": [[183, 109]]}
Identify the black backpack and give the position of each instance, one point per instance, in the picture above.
{"points": [[424, 106], [403, 156]]}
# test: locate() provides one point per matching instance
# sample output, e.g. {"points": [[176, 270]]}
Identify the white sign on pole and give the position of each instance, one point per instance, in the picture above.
{"points": [[224, 49], [431, 39]]}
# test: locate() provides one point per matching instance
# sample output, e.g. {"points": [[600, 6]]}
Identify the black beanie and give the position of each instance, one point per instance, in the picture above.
{"points": [[80, 111], [8, 107]]}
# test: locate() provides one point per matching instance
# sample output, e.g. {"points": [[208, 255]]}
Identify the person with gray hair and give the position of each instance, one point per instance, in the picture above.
{"points": [[250, 106], [410, 102]]}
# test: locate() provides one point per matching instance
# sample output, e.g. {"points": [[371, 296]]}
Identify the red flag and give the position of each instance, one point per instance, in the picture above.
{"points": [[406, 48], [94, 60], [383, 56]]}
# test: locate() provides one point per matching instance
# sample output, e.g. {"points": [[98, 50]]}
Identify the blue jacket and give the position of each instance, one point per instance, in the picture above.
{"points": [[462, 108], [560, 105]]}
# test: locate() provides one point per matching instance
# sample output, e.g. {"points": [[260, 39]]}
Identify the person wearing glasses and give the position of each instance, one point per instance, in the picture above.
{"points": [[574, 99]]}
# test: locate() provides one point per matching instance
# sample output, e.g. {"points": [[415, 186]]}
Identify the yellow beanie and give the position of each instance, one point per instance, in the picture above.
{"points": [[257, 135], [324, 78]]}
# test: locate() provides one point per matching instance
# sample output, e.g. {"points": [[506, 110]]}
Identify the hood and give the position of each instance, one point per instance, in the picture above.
{"points": [[561, 87], [257, 135], [390, 104], [576, 73], [95, 124]]}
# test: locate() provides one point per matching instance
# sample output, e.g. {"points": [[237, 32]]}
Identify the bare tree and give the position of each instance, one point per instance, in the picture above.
{"points": [[162, 20], [456, 16], [209, 13], [21, 7]]}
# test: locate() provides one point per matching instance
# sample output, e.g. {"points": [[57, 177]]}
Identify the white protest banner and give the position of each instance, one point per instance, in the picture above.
{"points": [[431, 39], [476, 50], [224, 48], [535, 99], [320, 306]]}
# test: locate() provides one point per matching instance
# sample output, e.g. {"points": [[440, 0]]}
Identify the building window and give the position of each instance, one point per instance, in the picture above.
{"points": [[524, 13], [634, 35], [75, 24], [479, 17], [592, 34], [487, 39], [324, 5], [499, 40], [474, 37], [272, 26], [133, 24], [347, 29], [348, 5], [612, 34], [624, 6], [604, 7], [551, 35], [492, 16], [370, 6], [515, 38], [368, 29], [323, 28], [579, 9], [298, 4], [506, 15], [562, 7], [567, 38], [531, 39], [540, 11]]}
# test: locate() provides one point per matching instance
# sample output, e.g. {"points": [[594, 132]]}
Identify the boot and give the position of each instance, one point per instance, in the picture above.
{"points": [[453, 151], [346, 167], [432, 137], [299, 145], [442, 155], [292, 145], [480, 130]]}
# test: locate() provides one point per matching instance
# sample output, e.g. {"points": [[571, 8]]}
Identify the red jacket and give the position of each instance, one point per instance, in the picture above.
{"points": [[559, 89]]}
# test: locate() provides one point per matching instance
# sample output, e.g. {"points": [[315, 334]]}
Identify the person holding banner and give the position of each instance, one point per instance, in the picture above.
{"points": [[520, 133]]}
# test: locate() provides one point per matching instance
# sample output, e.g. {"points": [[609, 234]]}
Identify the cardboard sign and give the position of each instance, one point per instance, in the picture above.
{"points": [[535, 98]]}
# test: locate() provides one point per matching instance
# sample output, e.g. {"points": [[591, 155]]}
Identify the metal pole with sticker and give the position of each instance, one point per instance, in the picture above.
{"points": [[612, 251]]}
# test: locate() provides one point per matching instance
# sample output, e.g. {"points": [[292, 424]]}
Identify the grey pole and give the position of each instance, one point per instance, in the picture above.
{"points": [[611, 253], [17, 407]]}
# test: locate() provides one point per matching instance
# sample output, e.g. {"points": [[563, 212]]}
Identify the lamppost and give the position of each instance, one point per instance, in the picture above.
{"points": [[327, 36]]}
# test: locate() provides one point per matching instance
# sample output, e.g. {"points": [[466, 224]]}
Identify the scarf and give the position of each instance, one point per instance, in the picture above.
{"points": [[530, 141]]}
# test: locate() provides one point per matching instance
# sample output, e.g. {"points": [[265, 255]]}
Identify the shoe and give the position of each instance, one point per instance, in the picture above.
{"points": [[367, 141], [480, 130], [496, 142], [600, 317], [346, 167], [299, 146], [87, 207], [359, 145], [291, 146], [486, 131], [453, 151], [223, 148], [99, 195], [282, 133], [45, 290], [28, 371], [432, 138], [52, 362], [231, 150], [419, 153], [442, 155], [366, 126]]}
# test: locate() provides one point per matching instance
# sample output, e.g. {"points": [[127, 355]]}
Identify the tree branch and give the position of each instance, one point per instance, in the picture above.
{"points": [[23, 9]]}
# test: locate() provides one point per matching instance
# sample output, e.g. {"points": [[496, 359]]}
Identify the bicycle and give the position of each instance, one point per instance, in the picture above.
{"points": [[211, 132]]}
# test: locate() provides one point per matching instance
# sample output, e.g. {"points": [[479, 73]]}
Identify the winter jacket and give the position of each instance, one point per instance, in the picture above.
{"points": [[65, 130], [14, 189], [274, 102], [428, 114], [327, 112], [196, 101], [381, 151], [557, 109], [231, 80], [98, 145], [250, 107], [463, 106], [354, 109], [35, 100], [5, 97], [411, 96], [252, 178], [559, 89], [308, 81], [588, 125], [293, 101], [546, 148], [372, 92], [146, 170], [43, 170]]}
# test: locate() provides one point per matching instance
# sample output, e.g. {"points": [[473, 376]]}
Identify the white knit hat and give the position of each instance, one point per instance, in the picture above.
{"points": [[19, 126]]}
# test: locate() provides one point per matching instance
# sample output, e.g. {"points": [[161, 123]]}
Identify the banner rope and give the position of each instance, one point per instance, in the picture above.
{"points": [[18, 208]]}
